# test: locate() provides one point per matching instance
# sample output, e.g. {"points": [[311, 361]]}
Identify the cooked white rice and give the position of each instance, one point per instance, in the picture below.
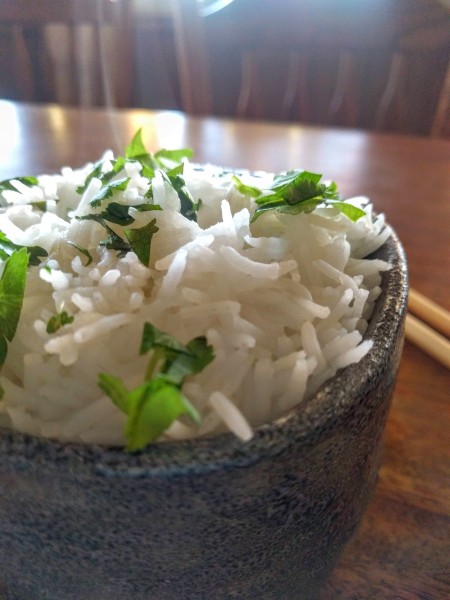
{"points": [[284, 302]]}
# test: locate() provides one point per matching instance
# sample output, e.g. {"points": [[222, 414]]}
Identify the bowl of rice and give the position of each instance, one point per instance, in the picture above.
{"points": [[196, 369]]}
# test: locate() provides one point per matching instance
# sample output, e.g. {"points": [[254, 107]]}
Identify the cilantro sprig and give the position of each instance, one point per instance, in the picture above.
{"points": [[165, 162], [7, 248], [169, 164], [12, 289], [137, 239], [8, 184], [12, 286], [118, 213], [104, 176], [140, 240], [155, 404], [108, 190], [164, 159], [84, 251], [59, 320], [295, 192], [188, 207], [28, 181]]}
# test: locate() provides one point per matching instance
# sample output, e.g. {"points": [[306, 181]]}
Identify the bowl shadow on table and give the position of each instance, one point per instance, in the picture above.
{"points": [[208, 518]]}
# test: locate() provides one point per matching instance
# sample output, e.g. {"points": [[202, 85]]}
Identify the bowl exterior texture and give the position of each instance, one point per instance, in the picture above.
{"points": [[207, 519]]}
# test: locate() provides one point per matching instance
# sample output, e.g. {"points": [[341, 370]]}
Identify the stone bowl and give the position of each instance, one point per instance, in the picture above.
{"points": [[206, 519]]}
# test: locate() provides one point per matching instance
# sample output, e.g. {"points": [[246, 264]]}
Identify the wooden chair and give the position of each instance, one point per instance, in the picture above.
{"points": [[68, 51], [376, 64]]}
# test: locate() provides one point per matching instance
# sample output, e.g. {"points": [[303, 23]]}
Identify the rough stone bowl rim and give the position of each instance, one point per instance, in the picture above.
{"points": [[302, 424]]}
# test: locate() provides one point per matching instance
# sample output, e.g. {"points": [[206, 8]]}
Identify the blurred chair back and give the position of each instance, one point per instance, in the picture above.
{"points": [[76, 52], [375, 64]]}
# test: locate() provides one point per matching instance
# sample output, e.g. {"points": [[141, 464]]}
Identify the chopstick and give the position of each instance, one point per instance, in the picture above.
{"points": [[429, 311], [424, 336]]}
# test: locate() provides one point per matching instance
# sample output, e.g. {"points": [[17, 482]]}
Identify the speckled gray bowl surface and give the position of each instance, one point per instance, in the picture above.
{"points": [[209, 519]]}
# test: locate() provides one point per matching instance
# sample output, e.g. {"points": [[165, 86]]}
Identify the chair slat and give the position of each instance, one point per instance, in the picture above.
{"points": [[344, 103], [249, 102], [23, 63], [378, 66], [297, 87], [192, 59], [441, 122], [59, 74], [392, 103]]}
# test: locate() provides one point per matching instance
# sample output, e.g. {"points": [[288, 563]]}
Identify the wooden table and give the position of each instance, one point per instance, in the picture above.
{"points": [[402, 548]]}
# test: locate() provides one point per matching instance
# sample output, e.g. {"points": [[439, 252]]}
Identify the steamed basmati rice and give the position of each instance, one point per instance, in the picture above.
{"points": [[284, 302]]}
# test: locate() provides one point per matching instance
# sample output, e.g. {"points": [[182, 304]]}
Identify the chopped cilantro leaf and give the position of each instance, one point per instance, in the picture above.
{"points": [[352, 212], [7, 248], [115, 242], [246, 190], [118, 213], [178, 170], [136, 147], [167, 157], [282, 180], [138, 152], [108, 190], [140, 240], [155, 404], [152, 408], [8, 184], [84, 252], [163, 159], [146, 206], [95, 172], [59, 320], [187, 205], [105, 177], [115, 389], [41, 205], [114, 213], [137, 240], [295, 192], [12, 288]]}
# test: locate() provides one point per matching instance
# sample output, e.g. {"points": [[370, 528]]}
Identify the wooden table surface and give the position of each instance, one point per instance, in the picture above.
{"points": [[402, 548]]}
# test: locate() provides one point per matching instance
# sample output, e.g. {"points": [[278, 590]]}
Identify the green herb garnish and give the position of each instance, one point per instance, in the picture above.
{"points": [[84, 251], [115, 242], [114, 213], [7, 184], [246, 190], [137, 240], [140, 240], [12, 288], [163, 159], [7, 248], [105, 177], [153, 406], [41, 205], [59, 320], [188, 207], [136, 150], [295, 192], [108, 190], [118, 213], [352, 212]]}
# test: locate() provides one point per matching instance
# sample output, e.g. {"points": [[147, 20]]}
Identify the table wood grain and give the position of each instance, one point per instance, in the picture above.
{"points": [[402, 549]]}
